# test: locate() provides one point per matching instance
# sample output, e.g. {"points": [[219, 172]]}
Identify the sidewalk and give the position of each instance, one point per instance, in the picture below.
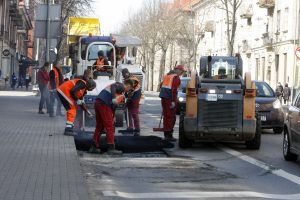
{"points": [[36, 161]]}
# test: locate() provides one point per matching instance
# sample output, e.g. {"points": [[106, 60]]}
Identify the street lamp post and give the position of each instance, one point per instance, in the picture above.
{"points": [[48, 31]]}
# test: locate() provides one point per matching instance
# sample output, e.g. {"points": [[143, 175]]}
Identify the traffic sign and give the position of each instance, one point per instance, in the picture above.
{"points": [[298, 52]]}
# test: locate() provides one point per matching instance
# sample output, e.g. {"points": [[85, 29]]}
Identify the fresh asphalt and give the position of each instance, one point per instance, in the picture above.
{"points": [[210, 171]]}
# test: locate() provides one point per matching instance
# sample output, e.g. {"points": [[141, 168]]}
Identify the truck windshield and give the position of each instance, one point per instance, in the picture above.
{"points": [[94, 49], [223, 68]]}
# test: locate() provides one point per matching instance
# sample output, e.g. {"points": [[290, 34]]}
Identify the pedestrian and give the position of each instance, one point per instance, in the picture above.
{"points": [[133, 102], [71, 93], [56, 79], [286, 94], [105, 105], [43, 80], [279, 92], [168, 95], [20, 81], [27, 80], [13, 80]]}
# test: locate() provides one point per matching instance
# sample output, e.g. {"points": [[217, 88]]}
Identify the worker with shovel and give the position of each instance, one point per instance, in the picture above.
{"points": [[168, 95], [106, 102], [71, 93]]}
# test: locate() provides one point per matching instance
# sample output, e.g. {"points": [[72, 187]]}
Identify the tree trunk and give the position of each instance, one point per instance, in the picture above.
{"points": [[162, 66]]}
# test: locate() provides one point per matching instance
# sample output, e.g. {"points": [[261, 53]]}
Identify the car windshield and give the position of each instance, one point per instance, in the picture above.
{"points": [[263, 90], [93, 51], [183, 83], [223, 68]]}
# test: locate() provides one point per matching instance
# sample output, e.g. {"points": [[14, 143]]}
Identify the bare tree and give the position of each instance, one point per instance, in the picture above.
{"points": [[230, 7]]}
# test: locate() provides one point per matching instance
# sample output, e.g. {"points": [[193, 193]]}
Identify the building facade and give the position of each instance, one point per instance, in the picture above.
{"points": [[267, 36], [15, 26]]}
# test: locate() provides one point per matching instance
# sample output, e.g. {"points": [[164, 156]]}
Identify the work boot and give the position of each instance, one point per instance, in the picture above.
{"points": [[169, 136], [112, 150], [94, 149], [41, 112], [137, 132], [69, 131]]}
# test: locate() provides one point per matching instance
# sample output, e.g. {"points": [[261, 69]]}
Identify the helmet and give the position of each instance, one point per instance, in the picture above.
{"points": [[91, 84], [180, 67]]}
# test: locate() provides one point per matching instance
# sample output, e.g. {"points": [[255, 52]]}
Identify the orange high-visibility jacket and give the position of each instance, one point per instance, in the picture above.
{"points": [[65, 90], [56, 79], [99, 64]]}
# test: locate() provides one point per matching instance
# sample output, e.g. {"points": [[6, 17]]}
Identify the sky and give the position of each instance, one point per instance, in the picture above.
{"points": [[112, 13]]}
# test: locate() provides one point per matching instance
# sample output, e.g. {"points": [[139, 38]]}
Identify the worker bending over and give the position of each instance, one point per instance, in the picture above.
{"points": [[105, 105], [168, 95], [71, 93]]}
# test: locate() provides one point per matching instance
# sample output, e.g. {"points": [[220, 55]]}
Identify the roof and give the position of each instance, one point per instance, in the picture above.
{"points": [[90, 39], [127, 41]]}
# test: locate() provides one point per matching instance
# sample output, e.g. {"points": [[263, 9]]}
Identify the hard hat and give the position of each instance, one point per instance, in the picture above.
{"points": [[91, 84], [180, 67]]}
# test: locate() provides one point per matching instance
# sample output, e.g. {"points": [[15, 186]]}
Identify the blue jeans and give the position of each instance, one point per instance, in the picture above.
{"points": [[53, 97], [44, 97]]}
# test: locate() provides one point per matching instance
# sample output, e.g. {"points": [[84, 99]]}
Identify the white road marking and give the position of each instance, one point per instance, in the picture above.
{"points": [[152, 98], [197, 195], [273, 170]]}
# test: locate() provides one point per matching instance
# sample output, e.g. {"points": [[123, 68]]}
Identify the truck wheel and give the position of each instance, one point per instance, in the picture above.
{"points": [[119, 118], [286, 146], [278, 130], [183, 142], [255, 142]]}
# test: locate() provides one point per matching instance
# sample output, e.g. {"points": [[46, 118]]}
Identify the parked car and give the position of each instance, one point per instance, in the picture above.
{"points": [[181, 97], [269, 108], [291, 134]]}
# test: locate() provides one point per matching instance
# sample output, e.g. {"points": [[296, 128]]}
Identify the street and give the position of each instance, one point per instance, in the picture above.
{"points": [[44, 164], [206, 171]]}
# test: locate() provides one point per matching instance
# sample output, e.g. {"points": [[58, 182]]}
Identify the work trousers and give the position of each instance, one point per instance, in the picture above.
{"points": [[169, 114], [104, 120], [44, 97], [53, 97], [71, 109], [133, 114]]}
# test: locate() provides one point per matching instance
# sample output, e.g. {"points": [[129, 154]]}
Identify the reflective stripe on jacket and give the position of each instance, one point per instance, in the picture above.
{"points": [[65, 90], [166, 86]]}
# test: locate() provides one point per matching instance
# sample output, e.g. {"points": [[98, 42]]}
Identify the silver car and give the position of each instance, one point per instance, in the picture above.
{"points": [[291, 136]]}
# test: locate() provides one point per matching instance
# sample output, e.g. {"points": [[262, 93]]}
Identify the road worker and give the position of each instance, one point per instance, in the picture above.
{"points": [[168, 95], [56, 79], [133, 102], [105, 105], [101, 64], [71, 93]]}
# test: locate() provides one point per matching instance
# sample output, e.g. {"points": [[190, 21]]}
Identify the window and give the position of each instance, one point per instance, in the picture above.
{"points": [[278, 21], [263, 90], [297, 102], [285, 68], [263, 65], [286, 20], [257, 74]]}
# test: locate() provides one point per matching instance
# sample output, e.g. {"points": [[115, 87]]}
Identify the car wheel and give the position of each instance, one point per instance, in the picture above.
{"points": [[278, 130], [286, 146], [255, 142], [183, 142]]}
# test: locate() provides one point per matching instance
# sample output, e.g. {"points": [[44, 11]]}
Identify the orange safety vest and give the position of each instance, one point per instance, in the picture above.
{"points": [[65, 90], [168, 81], [99, 64], [56, 79]]}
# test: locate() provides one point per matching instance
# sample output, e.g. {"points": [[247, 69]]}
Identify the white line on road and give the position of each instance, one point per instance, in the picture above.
{"points": [[278, 172], [197, 195]]}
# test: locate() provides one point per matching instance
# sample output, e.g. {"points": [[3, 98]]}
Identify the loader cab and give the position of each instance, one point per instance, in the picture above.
{"points": [[220, 67]]}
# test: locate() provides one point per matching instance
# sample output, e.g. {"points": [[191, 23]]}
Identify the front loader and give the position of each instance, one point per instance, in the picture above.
{"points": [[220, 105]]}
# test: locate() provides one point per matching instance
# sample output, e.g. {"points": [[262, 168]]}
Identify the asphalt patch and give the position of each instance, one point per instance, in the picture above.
{"points": [[126, 144]]}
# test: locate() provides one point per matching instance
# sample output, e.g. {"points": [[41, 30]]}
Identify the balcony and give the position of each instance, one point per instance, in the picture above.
{"points": [[246, 11], [267, 40], [266, 3], [210, 26]]}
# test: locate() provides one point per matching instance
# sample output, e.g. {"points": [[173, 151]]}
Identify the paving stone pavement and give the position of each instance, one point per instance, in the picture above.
{"points": [[36, 161]]}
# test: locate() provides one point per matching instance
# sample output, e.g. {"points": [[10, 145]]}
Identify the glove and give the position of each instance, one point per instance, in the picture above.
{"points": [[172, 105], [80, 102], [115, 101]]}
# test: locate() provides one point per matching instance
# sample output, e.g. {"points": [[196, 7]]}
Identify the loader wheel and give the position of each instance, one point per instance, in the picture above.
{"points": [[183, 142], [255, 142], [119, 118]]}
